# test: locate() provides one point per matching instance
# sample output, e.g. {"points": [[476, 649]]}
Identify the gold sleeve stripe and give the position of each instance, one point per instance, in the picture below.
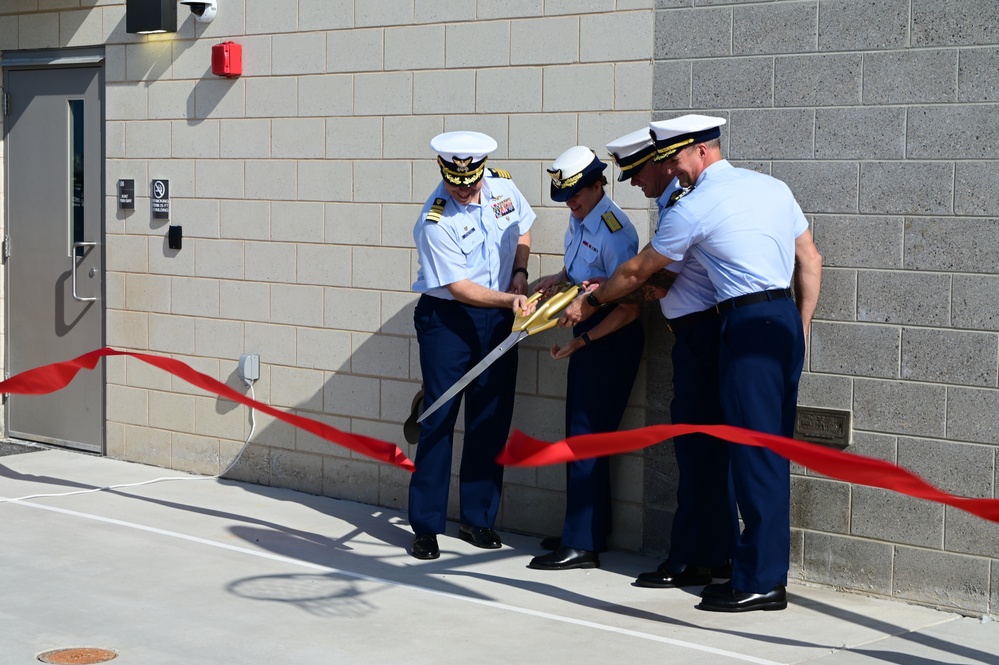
{"points": [[611, 221], [500, 173], [434, 215]]}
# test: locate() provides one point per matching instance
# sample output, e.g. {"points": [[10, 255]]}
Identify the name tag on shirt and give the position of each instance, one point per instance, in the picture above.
{"points": [[468, 232], [503, 208]]}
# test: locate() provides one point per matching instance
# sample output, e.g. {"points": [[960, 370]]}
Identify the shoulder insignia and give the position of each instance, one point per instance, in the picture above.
{"points": [[500, 173], [434, 214], [679, 194], [611, 221]]}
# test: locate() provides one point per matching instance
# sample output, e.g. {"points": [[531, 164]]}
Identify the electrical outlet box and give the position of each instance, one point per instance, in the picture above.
{"points": [[249, 368]]}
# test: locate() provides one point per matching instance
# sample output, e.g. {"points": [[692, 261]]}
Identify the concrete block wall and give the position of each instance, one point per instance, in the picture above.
{"points": [[298, 185], [883, 117]]}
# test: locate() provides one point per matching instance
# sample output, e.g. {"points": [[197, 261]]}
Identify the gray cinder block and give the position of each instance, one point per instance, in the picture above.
{"points": [[950, 356], [855, 349], [818, 80], [900, 407]]}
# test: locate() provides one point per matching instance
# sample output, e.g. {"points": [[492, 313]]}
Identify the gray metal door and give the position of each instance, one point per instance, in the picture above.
{"points": [[54, 150]]}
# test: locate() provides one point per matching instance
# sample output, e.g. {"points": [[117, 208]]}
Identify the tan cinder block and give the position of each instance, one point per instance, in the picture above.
{"points": [[446, 89], [297, 471], [297, 54], [383, 93], [352, 309], [217, 417], [354, 138], [192, 59], [272, 97], [324, 180], [127, 329], [171, 411], [398, 222], [533, 510], [353, 223], [297, 221], [220, 178], [393, 486], [354, 50], [319, 348], [352, 396], [274, 344], [406, 137], [194, 297], [114, 290], [562, 91], [382, 12], [297, 305], [245, 220], [171, 334], [544, 41], [245, 138], [127, 405], [140, 374], [200, 217], [326, 14], [616, 37], [147, 293], [324, 265], [271, 431], [297, 388], [198, 141], [414, 47], [632, 86], [298, 138], [170, 100], [382, 181], [114, 440], [166, 261], [148, 60], [354, 480], [126, 253], [206, 366], [180, 173], [194, 454], [125, 101], [219, 258], [81, 28], [381, 268], [147, 446], [492, 44], [271, 179], [38, 30], [269, 261], [380, 355], [216, 338], [397, 313], [220, 98], [396, 399], [245, 301]]}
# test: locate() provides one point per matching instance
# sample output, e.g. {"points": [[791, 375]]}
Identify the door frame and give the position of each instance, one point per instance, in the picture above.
{"points": [[62, 58]]}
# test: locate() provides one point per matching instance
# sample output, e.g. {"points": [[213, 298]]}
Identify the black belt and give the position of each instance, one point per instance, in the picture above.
{"points": [[753, 298], [681, 322]]}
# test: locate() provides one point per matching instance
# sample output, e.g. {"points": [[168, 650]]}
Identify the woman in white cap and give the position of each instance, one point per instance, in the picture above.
{"points": [[473, 241], [603, 354]]}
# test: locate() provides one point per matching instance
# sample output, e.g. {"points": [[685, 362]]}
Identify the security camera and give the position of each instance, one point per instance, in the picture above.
{"points": [[202, 10]]}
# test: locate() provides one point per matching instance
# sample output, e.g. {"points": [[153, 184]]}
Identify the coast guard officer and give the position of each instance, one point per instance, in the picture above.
{"points": [[748, 232], [706, 525], [473, 241], [604, 353]]}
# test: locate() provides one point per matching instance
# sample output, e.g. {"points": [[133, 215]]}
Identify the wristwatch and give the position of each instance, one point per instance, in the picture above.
{"points": [[592, 301]]}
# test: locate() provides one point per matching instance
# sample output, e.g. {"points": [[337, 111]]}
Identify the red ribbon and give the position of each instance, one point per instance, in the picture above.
{"points": [[522, 450], [50, 378]]}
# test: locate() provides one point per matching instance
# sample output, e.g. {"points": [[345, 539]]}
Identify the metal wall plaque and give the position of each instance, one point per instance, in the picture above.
{"points": [[829, 427], [161, 199], [126, 195]]}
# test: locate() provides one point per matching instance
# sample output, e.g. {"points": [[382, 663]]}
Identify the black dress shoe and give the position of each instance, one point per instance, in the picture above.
{"points": [[717, 590], [480, 536], [742, 601], [565, 558], [425, 546], [665, 578], [551, 543]]}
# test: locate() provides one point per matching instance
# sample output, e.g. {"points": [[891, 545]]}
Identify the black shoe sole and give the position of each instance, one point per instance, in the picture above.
{"points": [[569, 566], [766, 607]]}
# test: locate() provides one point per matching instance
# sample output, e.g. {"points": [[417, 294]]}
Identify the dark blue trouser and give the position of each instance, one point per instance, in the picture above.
{"points": [[762, 351], [599, 383], [453, 337], [706, 523]]}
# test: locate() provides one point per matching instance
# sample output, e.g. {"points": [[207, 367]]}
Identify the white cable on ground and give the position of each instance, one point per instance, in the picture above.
{"points": [[253, 426]]}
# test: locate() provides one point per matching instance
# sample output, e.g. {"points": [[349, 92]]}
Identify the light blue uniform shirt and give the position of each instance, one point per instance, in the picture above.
{"points": [[692, 291], [592, 248], [477, 242], [740, 225]]}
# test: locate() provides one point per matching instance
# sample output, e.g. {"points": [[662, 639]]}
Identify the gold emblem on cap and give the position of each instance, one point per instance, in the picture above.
{"points": [[563, 183], [462, 164]]}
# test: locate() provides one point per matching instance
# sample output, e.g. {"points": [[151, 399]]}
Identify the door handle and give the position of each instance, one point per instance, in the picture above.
{"points": [[72, 263]]}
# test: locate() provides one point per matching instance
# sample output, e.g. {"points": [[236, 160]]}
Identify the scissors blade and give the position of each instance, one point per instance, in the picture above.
{"points": [[504, 346]]}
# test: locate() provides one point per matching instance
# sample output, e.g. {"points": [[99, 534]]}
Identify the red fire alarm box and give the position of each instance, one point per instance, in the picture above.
{"points": [[227, 59]]}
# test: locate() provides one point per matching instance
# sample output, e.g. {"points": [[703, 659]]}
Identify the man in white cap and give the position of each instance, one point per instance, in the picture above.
{"points": [[473, 241], [748, 232], [705, 525]]}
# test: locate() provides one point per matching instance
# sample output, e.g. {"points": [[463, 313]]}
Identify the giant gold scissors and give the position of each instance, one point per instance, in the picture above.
{"points": [[543, 318]]}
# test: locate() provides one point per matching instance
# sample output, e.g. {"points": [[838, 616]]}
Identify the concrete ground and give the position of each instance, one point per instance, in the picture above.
{"points": [[206, 571]]}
